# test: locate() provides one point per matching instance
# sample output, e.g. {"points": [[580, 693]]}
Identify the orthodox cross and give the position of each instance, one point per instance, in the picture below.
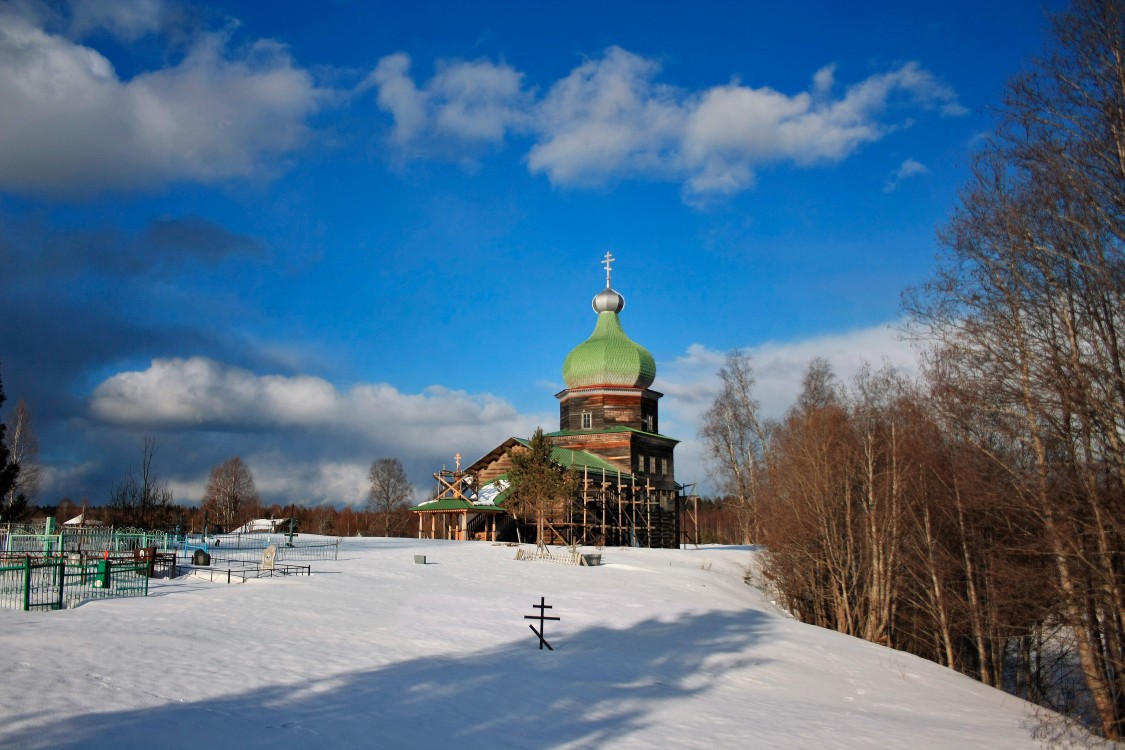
{"points": [[457, 458], [542, 606], [607, 263]]}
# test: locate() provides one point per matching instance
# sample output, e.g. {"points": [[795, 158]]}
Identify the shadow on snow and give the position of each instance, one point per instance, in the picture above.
{"points": [[597, 688]]}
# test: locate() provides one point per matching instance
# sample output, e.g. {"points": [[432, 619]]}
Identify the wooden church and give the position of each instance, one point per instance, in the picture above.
{"points": [[609, 434]]}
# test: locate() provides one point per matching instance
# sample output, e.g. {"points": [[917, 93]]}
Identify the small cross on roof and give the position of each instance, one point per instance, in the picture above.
{"points": [[607, 263]]}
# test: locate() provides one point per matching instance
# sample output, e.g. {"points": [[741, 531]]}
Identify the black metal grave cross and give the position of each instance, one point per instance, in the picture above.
{"points": [[542, 606]]}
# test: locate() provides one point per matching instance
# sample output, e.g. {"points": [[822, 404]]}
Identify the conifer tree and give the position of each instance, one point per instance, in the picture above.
{"points": [[9, 475], [540, 487]]}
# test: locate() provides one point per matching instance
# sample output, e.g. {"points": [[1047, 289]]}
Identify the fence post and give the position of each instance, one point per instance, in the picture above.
{"points": [[62, 580], [26, 582]]}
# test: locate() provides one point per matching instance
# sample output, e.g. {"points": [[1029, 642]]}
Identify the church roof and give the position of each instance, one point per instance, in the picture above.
{"points": [[609, 357], [575, 459], [567, 457]]}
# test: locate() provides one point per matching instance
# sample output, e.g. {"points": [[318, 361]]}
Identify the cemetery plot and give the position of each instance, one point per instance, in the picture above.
{"points": [[240, 571]]}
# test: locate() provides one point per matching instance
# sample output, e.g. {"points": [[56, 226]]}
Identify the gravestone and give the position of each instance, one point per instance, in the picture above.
{"points": [[269, 556]]}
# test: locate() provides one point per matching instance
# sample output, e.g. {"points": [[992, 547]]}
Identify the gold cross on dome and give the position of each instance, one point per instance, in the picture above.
{"points": [[607, 263], [457, 458]]}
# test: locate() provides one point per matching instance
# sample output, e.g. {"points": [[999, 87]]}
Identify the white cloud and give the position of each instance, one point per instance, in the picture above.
{"points": [[606, 119], [735, 128], [477, 100], [909, 168], [71, 125], [469, 101], [302, 436], [307, 482], [610, 119], [200, 392], [399, 96], [127, 19], [309, 441], [690, 382], [56, 479]]}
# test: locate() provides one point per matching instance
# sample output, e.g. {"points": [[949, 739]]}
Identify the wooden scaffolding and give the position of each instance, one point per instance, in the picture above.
{"points": [[616, 509]]}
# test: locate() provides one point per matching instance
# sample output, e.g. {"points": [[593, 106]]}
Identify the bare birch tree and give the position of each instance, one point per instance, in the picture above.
{"points": [[389, 492], [23, 447], [1027, 309], [735, 439], [142, 498], [231, 493]]}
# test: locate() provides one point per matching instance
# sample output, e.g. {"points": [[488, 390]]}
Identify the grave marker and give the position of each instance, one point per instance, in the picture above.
{"points": [[542, 617]]}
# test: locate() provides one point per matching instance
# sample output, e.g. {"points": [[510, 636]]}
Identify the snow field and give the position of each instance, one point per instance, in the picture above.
{"points": [[655, 649]]}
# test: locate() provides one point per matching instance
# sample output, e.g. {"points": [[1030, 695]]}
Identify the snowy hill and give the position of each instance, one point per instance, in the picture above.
{"points": [[654, 649]]}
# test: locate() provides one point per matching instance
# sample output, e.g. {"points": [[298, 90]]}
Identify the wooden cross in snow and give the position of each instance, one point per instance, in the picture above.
{"points": [[542, 606]]}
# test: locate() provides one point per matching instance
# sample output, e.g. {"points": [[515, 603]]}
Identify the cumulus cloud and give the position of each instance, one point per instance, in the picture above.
{"points": [[303, 436], [610, 118], [399, 96], [311, 441], [909, 168], [71, 126], [126, 19], [691, 383], [778, 366], [474, 101], [606, 118]]}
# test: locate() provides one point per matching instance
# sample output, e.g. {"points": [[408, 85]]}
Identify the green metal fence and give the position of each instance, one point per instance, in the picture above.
{"points": [[55, 583], [223, 547], [234, 547], [35, 544], [85, 540]]}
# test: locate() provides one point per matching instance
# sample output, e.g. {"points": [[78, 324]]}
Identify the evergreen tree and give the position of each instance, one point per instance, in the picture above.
{"points": [[540, 487], [9, 475]]}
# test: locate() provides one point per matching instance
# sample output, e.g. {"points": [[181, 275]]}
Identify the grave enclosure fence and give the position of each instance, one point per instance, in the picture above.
{"points": [[61, 570], [249, 548], [54, 582], [223, 547]]}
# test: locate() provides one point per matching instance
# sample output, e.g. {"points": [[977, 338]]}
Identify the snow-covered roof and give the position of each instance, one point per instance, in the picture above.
{"points": [[262, 526], [79, 520]]}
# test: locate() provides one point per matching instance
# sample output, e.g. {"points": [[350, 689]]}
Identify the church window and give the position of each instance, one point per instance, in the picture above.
{"points": [[587, 420]]}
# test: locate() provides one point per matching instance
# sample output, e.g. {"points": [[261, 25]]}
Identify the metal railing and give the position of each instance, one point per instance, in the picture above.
{"points": [[249, 548], [96, 541], [85, 540], [22, 541], [55, 583]]}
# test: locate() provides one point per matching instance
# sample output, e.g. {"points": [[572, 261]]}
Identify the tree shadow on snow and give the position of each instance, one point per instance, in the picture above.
{"points": [[597, 688]]}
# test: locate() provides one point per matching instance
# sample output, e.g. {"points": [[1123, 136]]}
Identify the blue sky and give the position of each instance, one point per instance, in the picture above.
{"points": [[316, 234]]}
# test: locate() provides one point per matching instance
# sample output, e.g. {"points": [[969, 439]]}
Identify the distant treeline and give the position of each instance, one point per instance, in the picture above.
{"points": [[321, 519]]}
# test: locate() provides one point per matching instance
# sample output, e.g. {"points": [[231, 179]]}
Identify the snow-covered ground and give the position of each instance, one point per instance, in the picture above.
{"points": [[655, 649]]}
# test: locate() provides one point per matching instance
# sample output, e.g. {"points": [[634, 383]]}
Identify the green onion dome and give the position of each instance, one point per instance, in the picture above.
{"points": [[609, 357]]}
